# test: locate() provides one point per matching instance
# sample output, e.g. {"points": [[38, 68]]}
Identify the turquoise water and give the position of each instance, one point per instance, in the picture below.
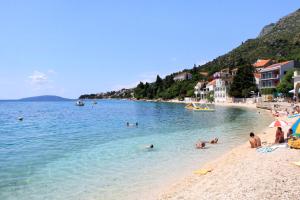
{"points": [[61, 151]]}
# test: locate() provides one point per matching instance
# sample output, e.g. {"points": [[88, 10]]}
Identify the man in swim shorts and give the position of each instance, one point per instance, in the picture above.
{"points": [[254, 141]]}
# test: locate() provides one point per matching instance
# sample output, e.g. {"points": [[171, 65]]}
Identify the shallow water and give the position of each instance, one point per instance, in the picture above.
{"points": [[61, 151]]}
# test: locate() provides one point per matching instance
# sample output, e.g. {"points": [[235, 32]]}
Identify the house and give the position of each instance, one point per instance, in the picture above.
{"points": [[226, 74], [182, 76], [200, 90], [271, 75], [261, 64], [211, 85], [221, 90]]}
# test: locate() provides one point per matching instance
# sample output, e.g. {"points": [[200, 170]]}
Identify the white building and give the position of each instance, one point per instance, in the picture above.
{"points": [[220, 93], [202, 90], [182, 76]]}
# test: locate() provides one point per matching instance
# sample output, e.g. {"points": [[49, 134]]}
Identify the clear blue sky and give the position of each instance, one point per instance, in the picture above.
{"points": [[73, 47]]}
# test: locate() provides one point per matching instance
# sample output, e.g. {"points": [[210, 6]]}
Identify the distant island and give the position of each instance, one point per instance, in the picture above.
{"points": [[45, 98]]}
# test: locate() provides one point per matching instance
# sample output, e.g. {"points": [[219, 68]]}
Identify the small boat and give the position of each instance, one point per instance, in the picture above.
{"points": [[95, 102], [199, 107], [79, 103]]}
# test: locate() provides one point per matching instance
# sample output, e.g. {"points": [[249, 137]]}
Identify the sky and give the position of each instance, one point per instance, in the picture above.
{"points": [[73, 47]]}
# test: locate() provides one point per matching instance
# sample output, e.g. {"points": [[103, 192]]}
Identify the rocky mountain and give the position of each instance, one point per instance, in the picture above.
{"points": [[279, 41], [266, 30]]}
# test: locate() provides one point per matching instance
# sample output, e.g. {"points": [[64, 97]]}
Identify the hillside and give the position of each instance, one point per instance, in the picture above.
{"points": [[45, 98], [278, 41]]}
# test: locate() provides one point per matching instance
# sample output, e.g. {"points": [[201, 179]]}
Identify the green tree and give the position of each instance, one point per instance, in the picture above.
{"points": [[210, 97], [286, 84], [139, 91], [243, 82]]}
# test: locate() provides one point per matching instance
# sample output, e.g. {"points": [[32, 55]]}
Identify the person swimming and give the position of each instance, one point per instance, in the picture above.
{"points": [[200, 145], [150, 147], [214, 141]]}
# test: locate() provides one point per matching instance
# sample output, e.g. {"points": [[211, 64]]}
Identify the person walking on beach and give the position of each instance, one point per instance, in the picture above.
{"points": [[279, 137], [254, 141]]}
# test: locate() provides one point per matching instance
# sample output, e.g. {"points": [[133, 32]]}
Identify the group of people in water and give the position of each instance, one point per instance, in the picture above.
{"points": [[255, 141], [136, 124], [201, 144]]}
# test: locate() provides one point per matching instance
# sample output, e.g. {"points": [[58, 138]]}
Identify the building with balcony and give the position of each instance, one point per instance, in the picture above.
{"points": [[220, 91], [202, 89], [271, 75]]}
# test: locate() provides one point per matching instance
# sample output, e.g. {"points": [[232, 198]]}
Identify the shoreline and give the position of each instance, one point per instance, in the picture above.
{"points": [[226, 104], [243, 173]]}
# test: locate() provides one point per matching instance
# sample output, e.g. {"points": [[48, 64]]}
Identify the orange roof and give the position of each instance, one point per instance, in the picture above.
{"points": [[257, 75], [261, 63], [213, 82]]}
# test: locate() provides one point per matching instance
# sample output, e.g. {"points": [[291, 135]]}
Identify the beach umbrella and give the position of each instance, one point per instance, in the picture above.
{"points": [[296, 128], [278, 123], [295, 115]]}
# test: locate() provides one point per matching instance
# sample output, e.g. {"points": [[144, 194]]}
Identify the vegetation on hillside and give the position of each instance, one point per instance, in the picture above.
{"points": [[286, 84], [243, 84], [279, 41], [168, 88], [282, 42]]}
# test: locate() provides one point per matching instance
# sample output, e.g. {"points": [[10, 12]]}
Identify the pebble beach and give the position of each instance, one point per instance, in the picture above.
{"points": [[244, 173]]}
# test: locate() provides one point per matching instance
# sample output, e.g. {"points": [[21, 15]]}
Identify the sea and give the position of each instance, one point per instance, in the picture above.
{"points": [[60, 151]]}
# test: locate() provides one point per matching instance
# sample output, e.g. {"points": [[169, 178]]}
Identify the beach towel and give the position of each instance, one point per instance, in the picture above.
{"points": [[284, 145], [266, 149], [202, 171]]}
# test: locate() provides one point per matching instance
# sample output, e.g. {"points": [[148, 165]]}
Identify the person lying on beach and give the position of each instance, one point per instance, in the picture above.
{"points": [[200, 145], [279, 136], [254, 141]]}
